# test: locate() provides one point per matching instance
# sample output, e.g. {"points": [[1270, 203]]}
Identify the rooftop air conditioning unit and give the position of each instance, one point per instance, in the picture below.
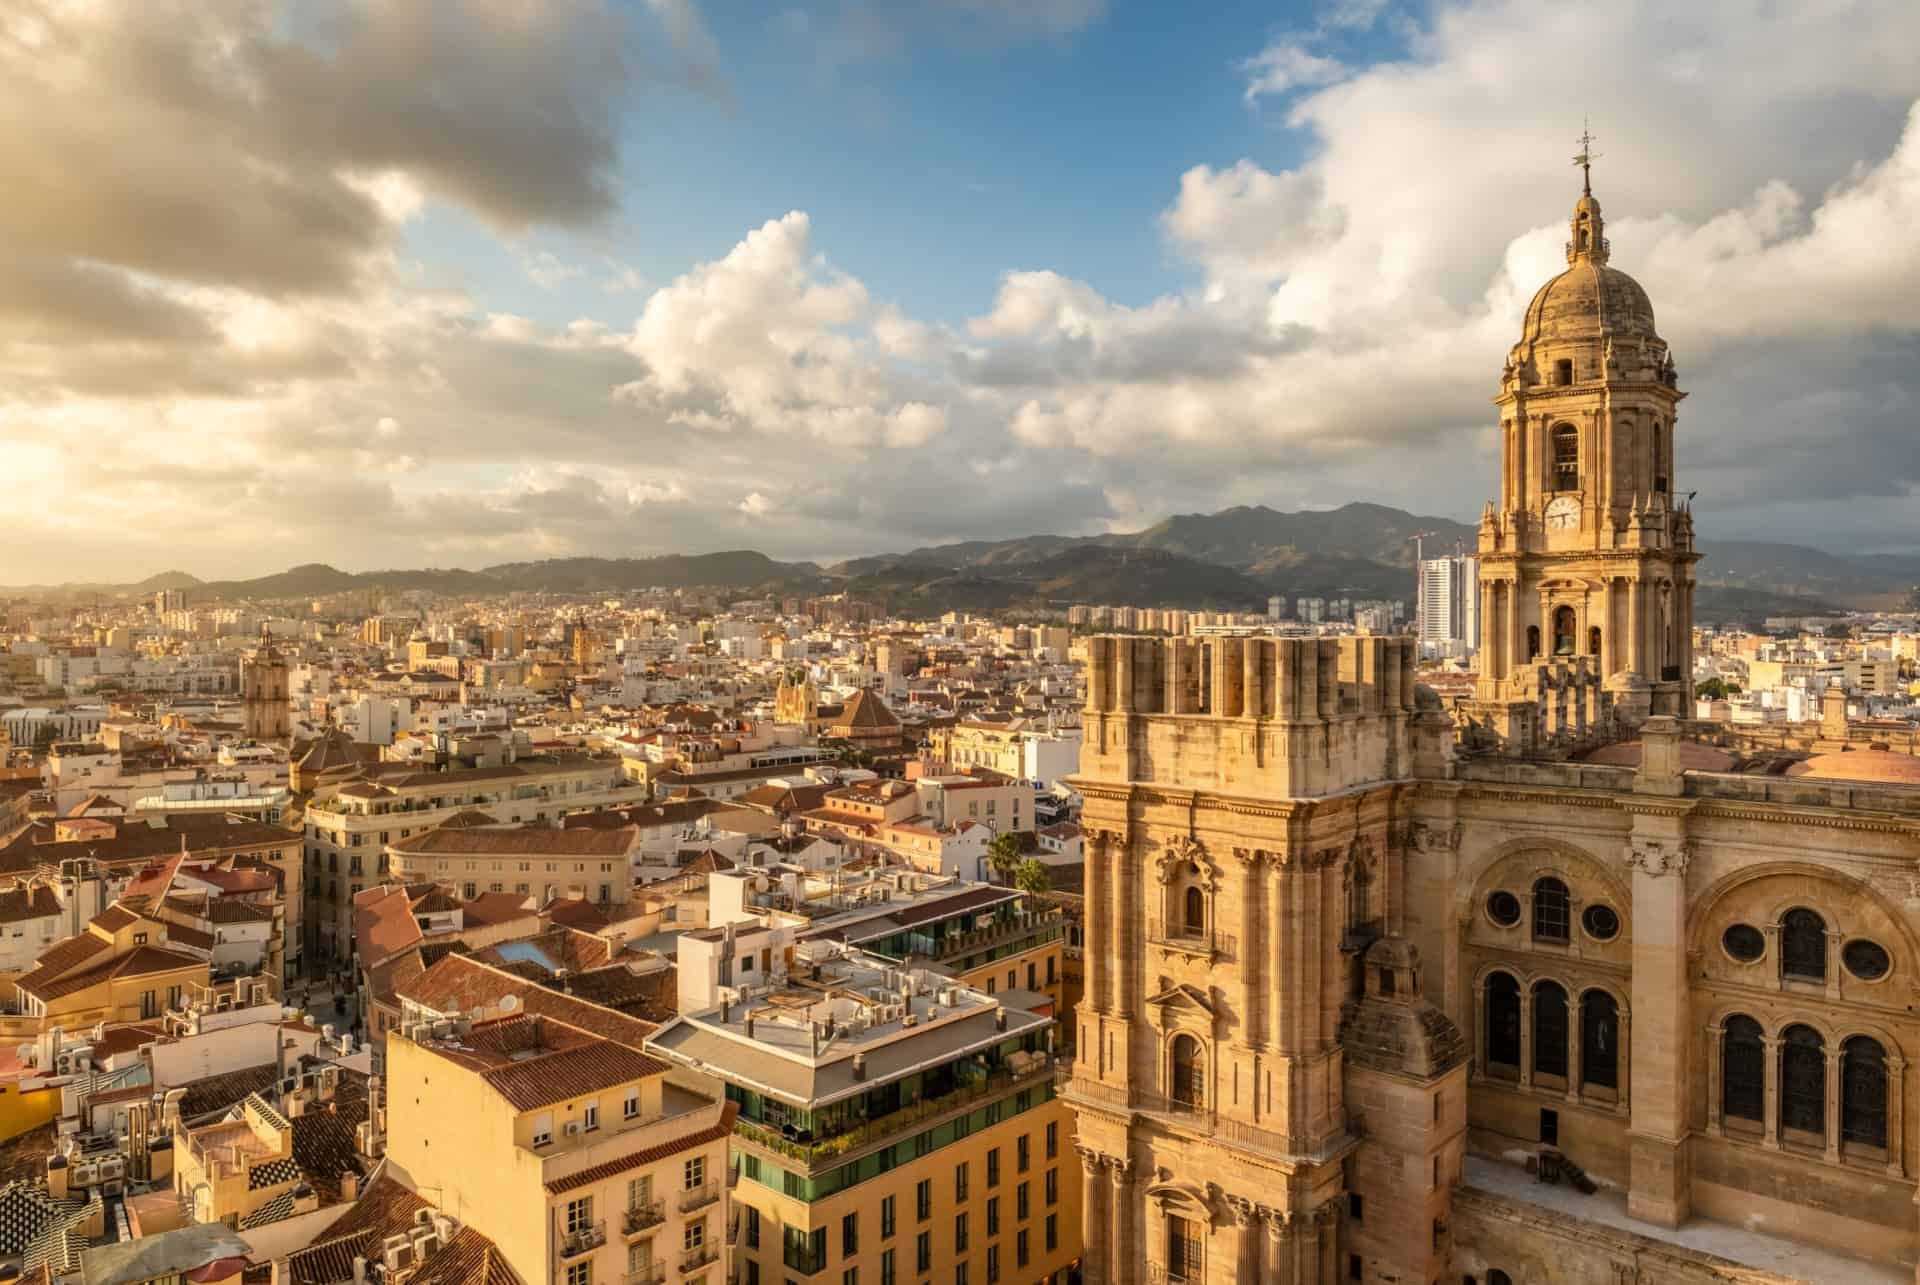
{"points": [[573, 1128]]}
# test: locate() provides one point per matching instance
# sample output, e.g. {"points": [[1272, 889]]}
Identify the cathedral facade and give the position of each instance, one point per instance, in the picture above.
{"points": [[1360, 976]]}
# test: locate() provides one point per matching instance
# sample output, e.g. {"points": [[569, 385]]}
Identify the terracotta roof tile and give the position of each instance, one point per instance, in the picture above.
{"points": [[587, 1177]]}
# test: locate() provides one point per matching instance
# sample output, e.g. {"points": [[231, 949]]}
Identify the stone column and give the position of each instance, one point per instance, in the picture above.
{"points": [[1636, 641], [1624, 1094], [1833, 1103], [1125, 933], [1099, 935], [1834, 938], [1714, 1077], [1657, 856], [1896, 1125], [1246, 1218], [1093, 1221], [1478, 1066], [1279, 1264], [1283, 935], [1128, 1262], [1327, 1223], [1252, 907], [1573, 1047], [1526, 1037], [1770, 1049]]}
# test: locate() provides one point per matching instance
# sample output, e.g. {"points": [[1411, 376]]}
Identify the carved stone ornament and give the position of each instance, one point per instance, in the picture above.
{"points": [[1181, 852], [1658, 857]]}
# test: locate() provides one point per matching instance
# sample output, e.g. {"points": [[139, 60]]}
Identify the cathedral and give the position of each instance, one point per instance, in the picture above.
{"points": [[1542, 990]]}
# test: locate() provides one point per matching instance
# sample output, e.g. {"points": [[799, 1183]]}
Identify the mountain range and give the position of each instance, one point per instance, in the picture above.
{"points": [[1233, 559]]}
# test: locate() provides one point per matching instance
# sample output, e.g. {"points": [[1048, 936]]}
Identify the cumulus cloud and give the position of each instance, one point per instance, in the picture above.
{"points": [[212, 351]]}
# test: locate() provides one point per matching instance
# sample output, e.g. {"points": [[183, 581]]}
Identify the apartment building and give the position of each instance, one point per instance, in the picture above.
{"points": [[89, 865], [574, 1153], [577, 863], [124, 967], [890, 1120], [1022, 748], [359, 811]]}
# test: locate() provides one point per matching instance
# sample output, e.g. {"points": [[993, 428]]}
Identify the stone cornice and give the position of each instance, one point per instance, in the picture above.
{"points": [[1563, 795], [1835, 819]]}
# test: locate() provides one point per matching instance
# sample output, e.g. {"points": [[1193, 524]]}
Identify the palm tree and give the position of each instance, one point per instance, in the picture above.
{"points": [[1031, 877], [1003, 855]]}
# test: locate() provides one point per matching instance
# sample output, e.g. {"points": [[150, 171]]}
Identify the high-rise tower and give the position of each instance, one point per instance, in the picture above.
{"points": [[1586, 559]]}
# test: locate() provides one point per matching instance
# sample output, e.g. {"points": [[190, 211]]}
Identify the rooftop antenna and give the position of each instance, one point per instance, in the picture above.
{"points": [[1586, 157]]}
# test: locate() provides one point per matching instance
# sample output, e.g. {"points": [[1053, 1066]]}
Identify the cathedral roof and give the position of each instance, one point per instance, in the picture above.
{"points": [[1887, 766], [1694, 757]]}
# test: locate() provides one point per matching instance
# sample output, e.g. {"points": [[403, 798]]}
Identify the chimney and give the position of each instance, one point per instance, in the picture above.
{"points": [[999, 1019], [859, 1066], [359, 1269], [749, 1021]]}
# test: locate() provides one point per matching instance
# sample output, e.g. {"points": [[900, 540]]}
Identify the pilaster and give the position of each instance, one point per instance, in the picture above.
{"points": [[1657, 855]]}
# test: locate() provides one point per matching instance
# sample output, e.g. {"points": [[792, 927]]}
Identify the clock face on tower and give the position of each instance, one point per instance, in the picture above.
{"points": [[1563, 514]]}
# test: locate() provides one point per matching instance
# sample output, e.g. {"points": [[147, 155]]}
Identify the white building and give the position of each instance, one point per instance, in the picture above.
{"points": [[1449, 604]]}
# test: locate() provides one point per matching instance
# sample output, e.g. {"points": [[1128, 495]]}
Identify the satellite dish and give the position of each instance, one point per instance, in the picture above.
{"points": [[509, 1003]]}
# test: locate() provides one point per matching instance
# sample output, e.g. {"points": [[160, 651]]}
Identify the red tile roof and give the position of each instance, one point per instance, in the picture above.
{"points": [[647, 1156]]}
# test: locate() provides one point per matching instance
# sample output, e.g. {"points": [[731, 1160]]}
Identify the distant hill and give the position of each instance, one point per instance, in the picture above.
{"points": [[1083, 572], [1235, 558]]}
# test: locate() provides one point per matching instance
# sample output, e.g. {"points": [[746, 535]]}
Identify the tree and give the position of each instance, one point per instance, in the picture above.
{"points": [[1031, 877], [1003, 855], [1714, 689]]}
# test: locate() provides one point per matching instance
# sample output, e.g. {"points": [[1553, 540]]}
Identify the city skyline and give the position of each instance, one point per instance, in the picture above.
{"points": [[628, 323]]}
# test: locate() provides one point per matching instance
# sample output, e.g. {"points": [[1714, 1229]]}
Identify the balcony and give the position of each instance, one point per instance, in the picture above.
{"points": [[998, 1083], [699, 1197], [583, 1240], [651, 1274], [1190, 1274], [1013, 936], [694, 1259], [641, 1218], [1188, 940]]}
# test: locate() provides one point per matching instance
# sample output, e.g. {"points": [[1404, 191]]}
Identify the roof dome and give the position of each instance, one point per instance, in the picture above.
{"points": [[1589, 300], [1889, 767]]}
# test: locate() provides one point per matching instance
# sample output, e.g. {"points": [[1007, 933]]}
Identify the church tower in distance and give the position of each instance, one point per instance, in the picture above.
{"points": [[1586, 559]]}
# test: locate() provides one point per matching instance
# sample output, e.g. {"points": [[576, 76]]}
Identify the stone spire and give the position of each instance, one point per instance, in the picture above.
{"points": [[1587, 239]]}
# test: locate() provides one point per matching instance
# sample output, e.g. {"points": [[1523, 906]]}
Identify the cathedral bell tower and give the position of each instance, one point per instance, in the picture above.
{"points": [[1586, 558]]}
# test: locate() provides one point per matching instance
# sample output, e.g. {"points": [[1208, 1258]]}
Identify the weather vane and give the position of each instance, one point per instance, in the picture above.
{"points": [[1586, 157]]}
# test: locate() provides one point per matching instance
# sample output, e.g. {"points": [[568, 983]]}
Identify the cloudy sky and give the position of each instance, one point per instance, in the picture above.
{"points": [[451, 282]]}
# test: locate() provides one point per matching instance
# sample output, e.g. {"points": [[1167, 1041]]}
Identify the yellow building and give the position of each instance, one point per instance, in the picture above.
{"points": [[123, 968], [571, 1152], [229, 1170], [585, 863], [892, 1124]]}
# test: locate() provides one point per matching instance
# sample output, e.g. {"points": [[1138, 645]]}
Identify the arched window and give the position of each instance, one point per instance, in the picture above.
{"points": [[1803, 945], [1196, 912], [1498, 1277], [1658, 460], [1533, 641], [1743, 1069], [1563, 631], [1863, 1092], [1593, 641], [1600, 1040], [1566, 458], [1551, 917], [1549, 1029], [1503, 1021], [1188, 1088], [1803, 1081]]}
